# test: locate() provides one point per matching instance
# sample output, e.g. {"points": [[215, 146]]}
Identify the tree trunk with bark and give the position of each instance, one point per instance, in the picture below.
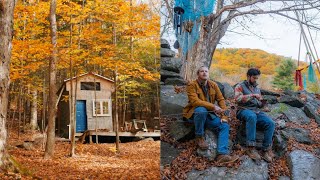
{"points": [[6, 29], [52, 83], [212, 29], [34, 110]]}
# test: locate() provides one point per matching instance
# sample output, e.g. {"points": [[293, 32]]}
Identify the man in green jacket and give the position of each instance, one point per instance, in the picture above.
{"points": [[201, 110]]}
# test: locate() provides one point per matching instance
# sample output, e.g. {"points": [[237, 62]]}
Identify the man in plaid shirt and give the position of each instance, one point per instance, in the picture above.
{"points": [[250, 103]]}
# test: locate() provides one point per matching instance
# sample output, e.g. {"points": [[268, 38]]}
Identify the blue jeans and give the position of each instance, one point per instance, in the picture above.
{"points": [[202, 119], [257, 120]]}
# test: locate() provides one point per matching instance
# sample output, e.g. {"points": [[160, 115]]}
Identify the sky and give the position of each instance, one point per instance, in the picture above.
{"points": [[275, 34]]}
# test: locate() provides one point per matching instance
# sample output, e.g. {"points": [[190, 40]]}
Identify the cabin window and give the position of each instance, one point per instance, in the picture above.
{"points": [[102, 107], [90, 86]]}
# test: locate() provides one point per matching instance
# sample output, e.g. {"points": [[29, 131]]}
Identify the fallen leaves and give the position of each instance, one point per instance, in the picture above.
{"points": [[136, 160]]}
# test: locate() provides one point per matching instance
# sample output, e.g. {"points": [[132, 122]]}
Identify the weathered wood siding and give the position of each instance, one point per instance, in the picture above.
{"points": [[106, 88]]}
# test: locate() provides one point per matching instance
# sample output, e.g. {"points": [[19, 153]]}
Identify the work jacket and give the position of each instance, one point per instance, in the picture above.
{"points": [[198, 98]]}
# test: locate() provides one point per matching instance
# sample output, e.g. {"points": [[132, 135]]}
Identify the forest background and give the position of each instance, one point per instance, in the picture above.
{"points": [[96, 36]]}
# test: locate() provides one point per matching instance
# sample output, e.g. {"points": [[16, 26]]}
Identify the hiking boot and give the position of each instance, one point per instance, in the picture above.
{"points": [[222, 158], [268, 155], [202, 144], [253, 153]]}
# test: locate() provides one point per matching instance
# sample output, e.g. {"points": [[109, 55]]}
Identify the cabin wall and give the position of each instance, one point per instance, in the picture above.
{"points": [[99, 122]]}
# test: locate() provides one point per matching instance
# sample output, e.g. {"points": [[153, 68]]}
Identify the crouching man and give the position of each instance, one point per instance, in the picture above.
{"points": [[202, 94], [250, 104]]}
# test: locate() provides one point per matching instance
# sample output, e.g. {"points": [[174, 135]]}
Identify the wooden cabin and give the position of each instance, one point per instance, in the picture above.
{"points": [[93, 104]]}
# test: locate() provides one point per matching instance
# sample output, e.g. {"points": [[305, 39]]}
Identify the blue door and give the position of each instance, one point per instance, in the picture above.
{"points": [[81, 120]]}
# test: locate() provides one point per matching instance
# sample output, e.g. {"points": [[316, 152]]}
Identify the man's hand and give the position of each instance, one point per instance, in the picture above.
{"points": [[258, 96], [224, 120], [217, 109]]}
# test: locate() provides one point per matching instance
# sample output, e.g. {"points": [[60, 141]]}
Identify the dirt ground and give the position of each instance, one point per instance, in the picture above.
{"points": [[136, 160]]}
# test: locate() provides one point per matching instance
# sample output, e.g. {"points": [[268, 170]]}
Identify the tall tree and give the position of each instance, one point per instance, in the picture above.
{"points": [[284, 78], [203, 31], [6, 25], [52, 83]]}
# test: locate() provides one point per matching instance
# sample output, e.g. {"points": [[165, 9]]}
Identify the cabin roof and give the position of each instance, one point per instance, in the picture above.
{"points": [[90, 73]]}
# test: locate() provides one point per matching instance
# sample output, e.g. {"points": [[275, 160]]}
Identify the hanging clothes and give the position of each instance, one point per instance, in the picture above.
{"points": [[311, 74], [298, 79], [304, 81]]}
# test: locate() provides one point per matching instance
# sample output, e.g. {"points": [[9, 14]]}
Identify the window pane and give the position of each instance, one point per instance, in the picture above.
{"points": [[98, 108], [105, 107], [90, 86]]}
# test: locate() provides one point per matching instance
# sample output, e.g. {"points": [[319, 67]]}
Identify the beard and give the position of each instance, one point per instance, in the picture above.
{"points": [[252, 83]]}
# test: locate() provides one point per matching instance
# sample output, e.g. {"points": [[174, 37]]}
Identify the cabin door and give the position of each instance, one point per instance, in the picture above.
{"points": [[81, 120]]}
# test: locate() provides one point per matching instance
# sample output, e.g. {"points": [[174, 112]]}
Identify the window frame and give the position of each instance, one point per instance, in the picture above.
{"points": [[95, 84], [101, 107]]}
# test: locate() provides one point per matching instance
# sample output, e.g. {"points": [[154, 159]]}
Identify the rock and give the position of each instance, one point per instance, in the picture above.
{"points": [[247, 170], [317, 151], [164, 52], [284, 178], [175, 81], [303, 165], [311, 111], [308, 95], [290, 93], [221, 86], [171, 102], [266, 92], [181, 130], [212, 141], [279, 144], [168, 74], [299, 134], [228, 91], [168, 153], [293, 114], [165, 44], [270, 99], [292, 101], [280, 123], [171, 64]]}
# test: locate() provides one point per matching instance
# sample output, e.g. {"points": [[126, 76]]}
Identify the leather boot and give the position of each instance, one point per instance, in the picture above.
{"points": [[202, 144], [268, 155], [253, 153], [223, 158]]}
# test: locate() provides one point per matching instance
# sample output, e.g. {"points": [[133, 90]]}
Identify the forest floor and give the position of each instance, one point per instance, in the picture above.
{"points": [[136, 160]]}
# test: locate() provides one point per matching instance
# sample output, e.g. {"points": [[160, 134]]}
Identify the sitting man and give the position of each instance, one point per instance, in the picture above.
{"points": [[250, 104], [202, 94]]}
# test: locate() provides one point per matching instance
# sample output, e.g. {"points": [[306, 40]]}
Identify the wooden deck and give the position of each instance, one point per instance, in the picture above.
{"points": [[123, 134]]}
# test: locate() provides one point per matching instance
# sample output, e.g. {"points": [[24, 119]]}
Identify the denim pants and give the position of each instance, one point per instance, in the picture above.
{"points": [[202, 119], [258, 120]]}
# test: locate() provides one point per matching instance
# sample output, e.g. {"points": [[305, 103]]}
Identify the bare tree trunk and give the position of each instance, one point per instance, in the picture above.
{"points": [[212, 29], [52, 83], [44, 103], [6, 23], [116, 105], [72, 100], [19, 111], [34, 110]]}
